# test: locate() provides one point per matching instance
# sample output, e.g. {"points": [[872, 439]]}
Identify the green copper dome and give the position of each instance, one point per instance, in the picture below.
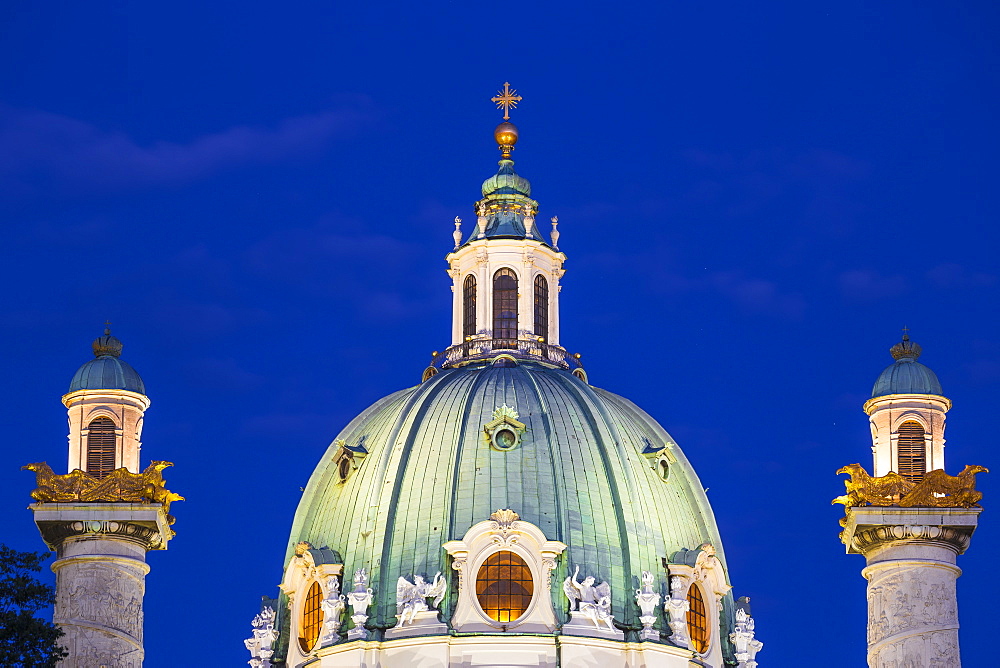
{"points": [[591, 470]]}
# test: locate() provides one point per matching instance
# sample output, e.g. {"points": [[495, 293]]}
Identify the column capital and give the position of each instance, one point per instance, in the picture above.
{"points": [[146, 525], [872, 527]]}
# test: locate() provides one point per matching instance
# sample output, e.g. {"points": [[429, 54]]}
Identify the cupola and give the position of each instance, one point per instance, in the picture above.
{"points": [[107, 370], [105, 403], [505, 274], [907, 415]]}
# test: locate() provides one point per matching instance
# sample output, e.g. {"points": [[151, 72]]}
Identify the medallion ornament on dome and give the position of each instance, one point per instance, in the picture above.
{"points": [[937, 489], [504, 431]]}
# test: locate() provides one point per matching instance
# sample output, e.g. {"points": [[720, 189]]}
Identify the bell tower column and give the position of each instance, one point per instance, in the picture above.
{"points": [[103, 516], [911, 520]]}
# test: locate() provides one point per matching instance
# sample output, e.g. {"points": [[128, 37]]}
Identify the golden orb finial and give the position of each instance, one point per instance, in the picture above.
{"points": [[506, 136]]}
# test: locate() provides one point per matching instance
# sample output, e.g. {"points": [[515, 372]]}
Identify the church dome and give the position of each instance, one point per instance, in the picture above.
{"points": [[586, 466], [107, 371], [906, 375]]}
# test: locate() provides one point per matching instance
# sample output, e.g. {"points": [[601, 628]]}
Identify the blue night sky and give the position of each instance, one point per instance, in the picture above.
{"points": [[754, 198]]}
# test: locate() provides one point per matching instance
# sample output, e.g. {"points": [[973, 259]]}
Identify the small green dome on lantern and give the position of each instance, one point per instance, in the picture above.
{"points": [[506, 182]]}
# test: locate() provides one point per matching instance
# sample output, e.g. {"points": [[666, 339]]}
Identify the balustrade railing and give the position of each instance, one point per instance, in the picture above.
{"points": [[519, 348]]}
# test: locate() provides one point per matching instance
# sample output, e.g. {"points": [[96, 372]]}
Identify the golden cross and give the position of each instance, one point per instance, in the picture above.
{"points": [[506, 99]]}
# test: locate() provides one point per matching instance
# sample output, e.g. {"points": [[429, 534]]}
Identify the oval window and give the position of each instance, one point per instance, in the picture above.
{"points": [[697, 620], [505, 439], [504, 586], [312, 618], [344, 469], [664, 470]]}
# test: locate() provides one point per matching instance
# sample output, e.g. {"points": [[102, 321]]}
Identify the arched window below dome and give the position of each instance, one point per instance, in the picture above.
{"points": [[505, 308], [101, 446], [312, 618], [697, 619], [504, 586], [542, 307], [911, 451], [469, 306]]}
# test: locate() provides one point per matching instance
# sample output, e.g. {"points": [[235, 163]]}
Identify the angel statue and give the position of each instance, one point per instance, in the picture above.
{"points": [[411, 596], [594, 601]]}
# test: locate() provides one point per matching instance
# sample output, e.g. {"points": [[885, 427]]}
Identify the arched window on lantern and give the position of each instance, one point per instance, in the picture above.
{"points": [[505, 308], [541, 307], [911, 451], [697, 619], [312, 619], [101, 446], [469, 306]]}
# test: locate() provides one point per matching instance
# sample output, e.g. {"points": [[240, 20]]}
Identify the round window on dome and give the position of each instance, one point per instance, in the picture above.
{"points": [[344, 468], [505, 439], [311, 618], [663, 470], [504, 587]]}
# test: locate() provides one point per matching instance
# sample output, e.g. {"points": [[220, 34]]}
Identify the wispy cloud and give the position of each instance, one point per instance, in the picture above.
{"points": [[956, 276], [40, 150], [869, 285]]}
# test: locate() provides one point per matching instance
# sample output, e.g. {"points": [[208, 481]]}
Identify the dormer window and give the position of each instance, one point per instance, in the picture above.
{"points": [[504, 577]]}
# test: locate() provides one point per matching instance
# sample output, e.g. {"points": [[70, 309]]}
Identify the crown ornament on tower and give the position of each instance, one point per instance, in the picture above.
{"points": [[905, 349]]}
